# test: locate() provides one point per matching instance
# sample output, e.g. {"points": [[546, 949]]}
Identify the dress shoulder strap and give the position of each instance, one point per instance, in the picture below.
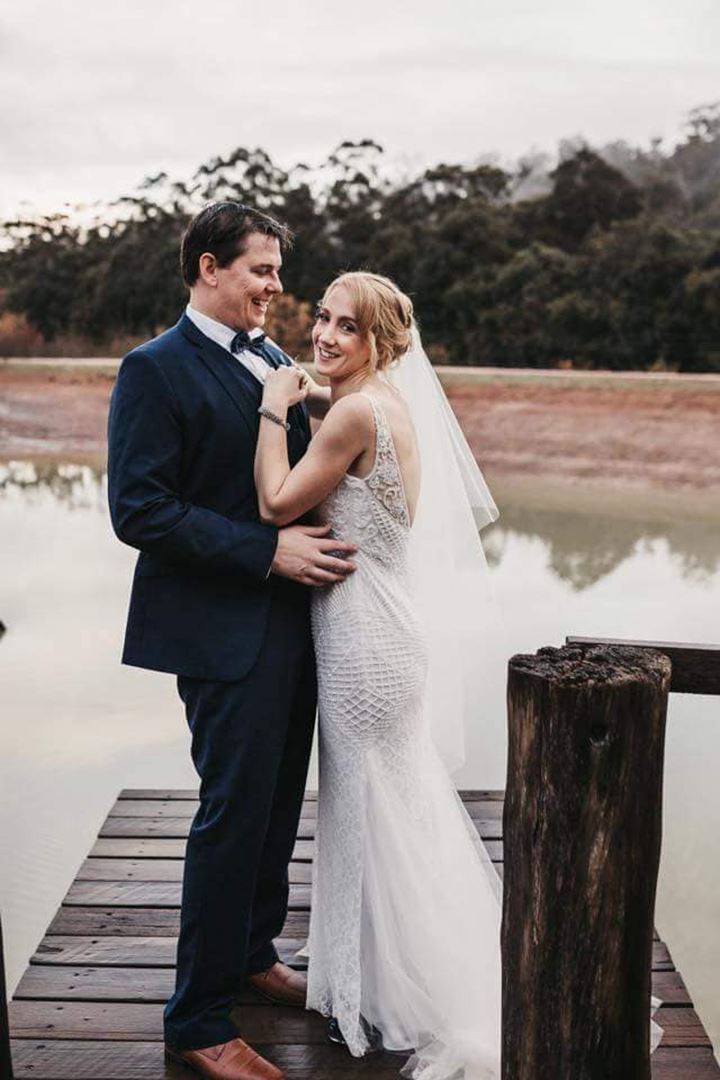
{"points": [[382, 428], [385, 479]]}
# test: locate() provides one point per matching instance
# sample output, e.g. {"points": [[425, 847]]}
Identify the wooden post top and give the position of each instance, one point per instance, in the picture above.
{"points": [[587, 665]]}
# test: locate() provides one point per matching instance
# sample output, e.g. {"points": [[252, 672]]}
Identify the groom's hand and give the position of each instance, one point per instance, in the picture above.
{"points": [[306, 553]]}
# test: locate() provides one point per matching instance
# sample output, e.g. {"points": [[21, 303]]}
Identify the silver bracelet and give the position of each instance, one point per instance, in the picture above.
{"points": [[264, 411]]}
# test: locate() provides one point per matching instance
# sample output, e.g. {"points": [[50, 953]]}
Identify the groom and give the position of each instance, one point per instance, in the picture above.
{"points": [[222, 601]]}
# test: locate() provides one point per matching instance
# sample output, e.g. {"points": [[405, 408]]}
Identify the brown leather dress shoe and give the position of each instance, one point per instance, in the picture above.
{"points": [[233, 1060], [280, 984]]}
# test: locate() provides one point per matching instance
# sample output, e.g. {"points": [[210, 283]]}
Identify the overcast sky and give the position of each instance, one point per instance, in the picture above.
{"points": [[94, 96]]}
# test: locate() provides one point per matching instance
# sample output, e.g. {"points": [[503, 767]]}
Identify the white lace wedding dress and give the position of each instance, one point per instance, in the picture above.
{"points": [[405, 923]]}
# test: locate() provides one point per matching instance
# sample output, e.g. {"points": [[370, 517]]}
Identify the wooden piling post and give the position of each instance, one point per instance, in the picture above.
{"points": [[582, 829]]}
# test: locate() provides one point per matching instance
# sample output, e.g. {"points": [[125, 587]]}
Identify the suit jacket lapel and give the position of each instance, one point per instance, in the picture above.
{"points": [[235, 379]]}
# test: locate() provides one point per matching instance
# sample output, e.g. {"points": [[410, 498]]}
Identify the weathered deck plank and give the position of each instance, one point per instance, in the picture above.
{"points": [[89, 1006], [160, 870], [128, 950], [130, 982], [143, 922], [112, 1019], [178, 827], [149, 894], [186, 808], [172, 827], [58, 951], [119, 847], [259, 1023]]}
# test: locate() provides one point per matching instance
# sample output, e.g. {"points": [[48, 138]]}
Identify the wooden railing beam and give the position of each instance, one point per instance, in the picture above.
{"points": [[695, 668]]}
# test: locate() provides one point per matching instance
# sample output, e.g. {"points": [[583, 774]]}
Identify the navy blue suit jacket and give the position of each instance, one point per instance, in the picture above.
{"points": [[181, 445]]}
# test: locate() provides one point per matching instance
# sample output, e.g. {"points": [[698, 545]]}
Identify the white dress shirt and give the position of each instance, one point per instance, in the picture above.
{"points": [[222, 335]]}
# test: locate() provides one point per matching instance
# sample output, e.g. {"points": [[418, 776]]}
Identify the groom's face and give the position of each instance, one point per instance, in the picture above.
{"points": [[246, 287]]}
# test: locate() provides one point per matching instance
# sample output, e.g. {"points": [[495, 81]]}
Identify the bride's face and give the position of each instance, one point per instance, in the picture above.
{"points": [[340, 349]]}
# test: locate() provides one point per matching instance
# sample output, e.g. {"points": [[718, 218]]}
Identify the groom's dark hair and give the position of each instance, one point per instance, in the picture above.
{"points": [[222, 229]]}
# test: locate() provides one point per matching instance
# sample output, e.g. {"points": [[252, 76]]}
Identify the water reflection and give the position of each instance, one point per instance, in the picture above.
{"points": [[74, 486], [583, 548]]}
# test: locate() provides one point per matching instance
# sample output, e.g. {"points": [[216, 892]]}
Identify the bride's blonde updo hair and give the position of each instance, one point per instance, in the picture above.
{"points": [[382, 312]]}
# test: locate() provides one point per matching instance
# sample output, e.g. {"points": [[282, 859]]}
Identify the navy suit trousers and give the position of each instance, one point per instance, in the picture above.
{"points": [[251, 743]]}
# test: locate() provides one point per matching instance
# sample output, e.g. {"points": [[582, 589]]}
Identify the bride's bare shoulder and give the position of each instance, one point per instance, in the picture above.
{"points": [[351, 414], [351, 409]]}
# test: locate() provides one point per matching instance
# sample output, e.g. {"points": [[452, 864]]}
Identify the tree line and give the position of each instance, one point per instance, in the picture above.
{"points": [[607, 259]]}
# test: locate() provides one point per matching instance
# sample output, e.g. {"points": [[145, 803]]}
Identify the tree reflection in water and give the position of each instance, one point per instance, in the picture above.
{"points": [[583, 547], [77, 487]]}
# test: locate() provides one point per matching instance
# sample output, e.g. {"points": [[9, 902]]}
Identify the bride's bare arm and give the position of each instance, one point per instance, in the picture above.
{"points": [[284, 494]]}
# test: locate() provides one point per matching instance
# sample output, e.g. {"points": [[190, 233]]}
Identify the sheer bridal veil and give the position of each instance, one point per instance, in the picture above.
{"points": [[466, 635], [451, 576]]}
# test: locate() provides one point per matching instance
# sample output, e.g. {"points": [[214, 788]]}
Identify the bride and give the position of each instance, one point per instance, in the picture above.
{"points": [[404, 935], [404, 947]]}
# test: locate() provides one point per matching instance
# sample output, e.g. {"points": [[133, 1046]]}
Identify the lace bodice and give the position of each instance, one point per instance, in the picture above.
{"points": [[372, 511]]}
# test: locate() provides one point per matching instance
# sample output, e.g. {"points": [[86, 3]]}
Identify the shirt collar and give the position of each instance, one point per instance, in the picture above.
{"points": [[216, 331]]}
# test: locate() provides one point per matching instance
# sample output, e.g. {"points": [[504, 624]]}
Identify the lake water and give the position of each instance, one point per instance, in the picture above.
{"points": [[77, 727]]}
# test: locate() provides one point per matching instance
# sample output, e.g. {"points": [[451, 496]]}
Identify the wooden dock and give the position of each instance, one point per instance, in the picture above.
{"points": [[89, 1006]]}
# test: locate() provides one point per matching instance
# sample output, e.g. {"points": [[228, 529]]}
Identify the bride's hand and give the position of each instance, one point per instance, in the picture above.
{"points": [[285, 386], [307, 380], [318, 397]]}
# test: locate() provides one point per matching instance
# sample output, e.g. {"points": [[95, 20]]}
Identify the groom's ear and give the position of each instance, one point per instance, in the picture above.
{"points": [[207, 269]]}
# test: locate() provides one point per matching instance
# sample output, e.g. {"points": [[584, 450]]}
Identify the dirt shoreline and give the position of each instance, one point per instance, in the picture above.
{"points": [[625, 438]]}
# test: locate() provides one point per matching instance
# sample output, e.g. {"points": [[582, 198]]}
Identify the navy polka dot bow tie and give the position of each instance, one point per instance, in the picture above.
{"points": [[242, 341]]}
